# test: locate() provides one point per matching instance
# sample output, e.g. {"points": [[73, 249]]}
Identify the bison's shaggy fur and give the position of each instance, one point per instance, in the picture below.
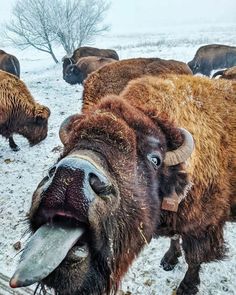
{"points": [[127, 138], [112, 78], [77, 73], [9, 63], [229, 74], [19, 112]]}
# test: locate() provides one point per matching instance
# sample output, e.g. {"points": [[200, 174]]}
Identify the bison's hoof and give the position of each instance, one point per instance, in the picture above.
{"points": [[168, 264], [16, 149], [185, 289]]}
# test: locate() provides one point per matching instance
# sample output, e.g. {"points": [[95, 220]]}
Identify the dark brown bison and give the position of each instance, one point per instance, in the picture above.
{"points": [[129, 173], [9, 63], [87, 51], [212, 57], [229, 74], [19, 113], [112, 78], [77, 73]]}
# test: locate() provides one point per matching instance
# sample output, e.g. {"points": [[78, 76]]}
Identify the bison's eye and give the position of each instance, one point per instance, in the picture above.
{"points": [[155, 159]]}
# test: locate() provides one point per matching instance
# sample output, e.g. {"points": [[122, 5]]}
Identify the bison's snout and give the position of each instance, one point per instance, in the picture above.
{"points": [[95, 181], [72, 186]]}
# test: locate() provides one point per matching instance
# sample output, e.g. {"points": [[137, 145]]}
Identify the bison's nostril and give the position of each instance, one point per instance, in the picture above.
{"points": [[101, 187]]}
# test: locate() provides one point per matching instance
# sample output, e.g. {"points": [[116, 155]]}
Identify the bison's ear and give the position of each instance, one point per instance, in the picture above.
{"points": [[67, 126]]}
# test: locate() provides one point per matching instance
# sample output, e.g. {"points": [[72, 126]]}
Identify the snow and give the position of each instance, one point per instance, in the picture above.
{"points": [[21, 172]]}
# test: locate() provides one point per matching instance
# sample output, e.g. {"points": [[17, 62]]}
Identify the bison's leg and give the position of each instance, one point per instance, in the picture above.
{"points": [[188, 286], [13, 145], [170, 259], [206, 246]]}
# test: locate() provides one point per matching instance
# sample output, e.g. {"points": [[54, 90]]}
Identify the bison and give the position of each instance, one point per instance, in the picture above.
{"points": [[229, 74], [77, 73], [112, 78], [9, 63], [19, 113], [212, 57], [129, 172], [87, 51]]}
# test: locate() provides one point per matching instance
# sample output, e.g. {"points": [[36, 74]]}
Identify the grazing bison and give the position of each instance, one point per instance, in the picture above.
{"points": [[229, 74], [19, 113], [129, 173], [87, 51], [77, 73], [212, 57], [112, 78], [9, 63]]}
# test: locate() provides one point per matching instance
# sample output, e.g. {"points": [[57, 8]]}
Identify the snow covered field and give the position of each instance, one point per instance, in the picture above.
{"points": [[20, 172]]}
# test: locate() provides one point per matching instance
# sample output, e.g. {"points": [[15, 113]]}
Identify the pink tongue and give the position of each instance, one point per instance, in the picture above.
{"points": [[43, 253]]}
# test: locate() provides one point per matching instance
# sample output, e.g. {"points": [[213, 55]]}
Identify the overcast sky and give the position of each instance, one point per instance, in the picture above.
{"points": [[127, 16]]}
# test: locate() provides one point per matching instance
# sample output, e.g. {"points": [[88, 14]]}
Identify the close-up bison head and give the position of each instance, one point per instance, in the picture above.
{"points": [[119, 162], [73, 74], [35, 128]]}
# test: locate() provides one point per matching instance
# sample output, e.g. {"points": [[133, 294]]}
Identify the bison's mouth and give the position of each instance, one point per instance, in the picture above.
{"points": [[62, 237]]}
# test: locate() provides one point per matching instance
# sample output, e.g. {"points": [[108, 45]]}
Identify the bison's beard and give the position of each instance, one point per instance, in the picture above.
{"points": [[79, 278]]}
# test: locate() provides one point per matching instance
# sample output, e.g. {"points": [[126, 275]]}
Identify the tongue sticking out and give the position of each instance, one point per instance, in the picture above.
{"points": [[43, 253]]}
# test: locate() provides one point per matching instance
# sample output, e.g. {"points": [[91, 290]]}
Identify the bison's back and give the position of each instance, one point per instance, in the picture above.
{"points": [[92, 51], [112, 78], [13, 94], [213, 49]]}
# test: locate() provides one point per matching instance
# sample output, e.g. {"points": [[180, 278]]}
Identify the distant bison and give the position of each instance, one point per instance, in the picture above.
{"points": [[20, 113], [9, 63], [229, 74], [129, 173], [77, 73], [212, 57], [87, 51], [112, 78]]}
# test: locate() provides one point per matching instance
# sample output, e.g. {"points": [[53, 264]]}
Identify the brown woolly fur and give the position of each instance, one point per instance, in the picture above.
{"points": [[112, 178], [9, 63], [112, 78], [19, 112], [207, 109]]}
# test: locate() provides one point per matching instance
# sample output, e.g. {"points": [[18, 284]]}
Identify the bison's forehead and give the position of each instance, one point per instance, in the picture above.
{"points": [[115, 122], [104, 128]]}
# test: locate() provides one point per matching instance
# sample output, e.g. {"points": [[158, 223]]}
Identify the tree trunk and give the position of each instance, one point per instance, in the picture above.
{"points": [[54, 57]]}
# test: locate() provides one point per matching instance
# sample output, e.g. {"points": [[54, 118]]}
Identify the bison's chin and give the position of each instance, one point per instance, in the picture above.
{"points": [[70, 276]]}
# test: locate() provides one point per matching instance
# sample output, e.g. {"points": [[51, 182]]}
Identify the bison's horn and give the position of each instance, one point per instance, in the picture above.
{"points": [[181, 154], [67, 56], [63, 131]]}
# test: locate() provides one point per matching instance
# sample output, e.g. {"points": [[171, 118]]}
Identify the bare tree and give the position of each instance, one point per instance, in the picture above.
{"points": [[78, 21], [44, 23], [31, 26]]}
